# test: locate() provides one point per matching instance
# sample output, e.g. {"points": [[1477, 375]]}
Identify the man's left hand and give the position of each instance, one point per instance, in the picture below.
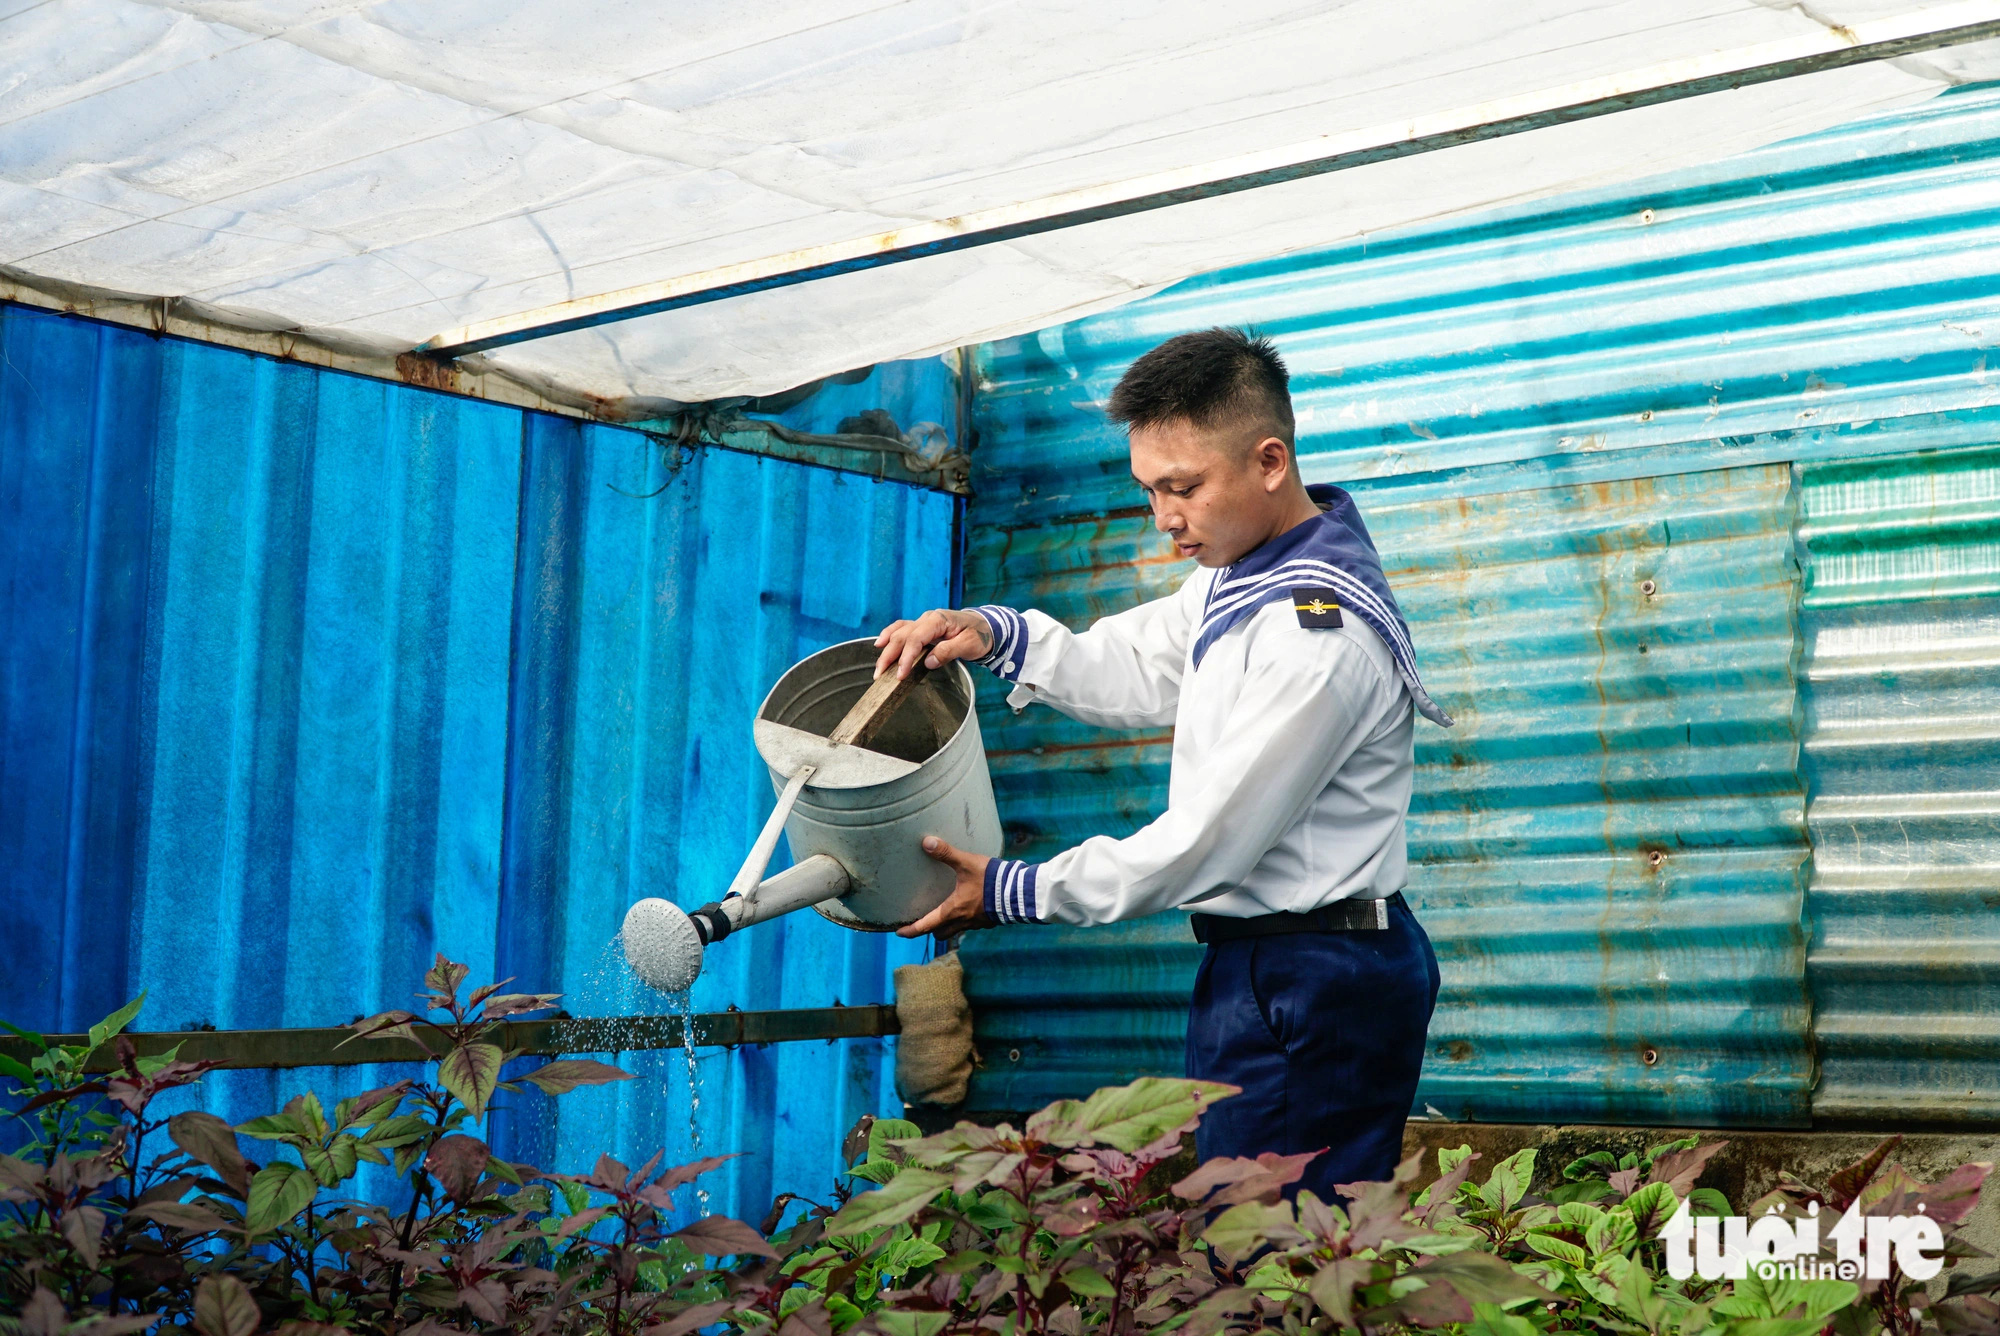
{"points": [[965, 907]]}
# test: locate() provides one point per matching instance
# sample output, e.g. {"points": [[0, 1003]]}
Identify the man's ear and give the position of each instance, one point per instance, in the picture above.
{"points": [[1274, 462]]}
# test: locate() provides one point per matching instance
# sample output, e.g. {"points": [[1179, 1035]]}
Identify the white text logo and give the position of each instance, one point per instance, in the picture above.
{"points": [[1728, 1247]]}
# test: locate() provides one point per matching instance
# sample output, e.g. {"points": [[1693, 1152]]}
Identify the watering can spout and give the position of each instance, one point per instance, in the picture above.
{"points": [[664, 943]]}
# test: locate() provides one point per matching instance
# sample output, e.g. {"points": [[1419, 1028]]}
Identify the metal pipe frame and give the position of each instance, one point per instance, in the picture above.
{"points": [[1673, 81], [337, 1047]]}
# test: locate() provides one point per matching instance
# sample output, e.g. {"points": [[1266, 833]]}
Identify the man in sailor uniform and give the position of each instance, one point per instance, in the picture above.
{"points": [[1286, 670]]}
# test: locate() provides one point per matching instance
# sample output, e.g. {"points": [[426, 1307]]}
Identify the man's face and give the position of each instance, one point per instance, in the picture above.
{"points": [[1214, 491]]}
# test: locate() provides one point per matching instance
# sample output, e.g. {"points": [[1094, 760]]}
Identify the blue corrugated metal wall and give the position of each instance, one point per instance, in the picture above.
{"points": [[304, 676], [1539, 410]]}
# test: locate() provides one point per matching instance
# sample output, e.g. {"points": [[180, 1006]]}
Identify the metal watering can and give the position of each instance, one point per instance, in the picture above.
{"points": [[855, 815]]}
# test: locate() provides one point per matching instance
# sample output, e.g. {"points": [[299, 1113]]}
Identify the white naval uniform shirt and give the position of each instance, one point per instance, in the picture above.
{"points": [[1292, 761]]}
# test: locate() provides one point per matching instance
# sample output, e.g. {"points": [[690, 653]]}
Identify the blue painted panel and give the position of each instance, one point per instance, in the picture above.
{"points": [[304, 677]]}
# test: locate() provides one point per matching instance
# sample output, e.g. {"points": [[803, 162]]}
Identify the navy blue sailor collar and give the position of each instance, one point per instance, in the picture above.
{"points": [[1333, 552]]}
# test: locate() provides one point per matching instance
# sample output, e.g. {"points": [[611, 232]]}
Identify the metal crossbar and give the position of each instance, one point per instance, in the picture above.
{"points": [[337, 1047]]}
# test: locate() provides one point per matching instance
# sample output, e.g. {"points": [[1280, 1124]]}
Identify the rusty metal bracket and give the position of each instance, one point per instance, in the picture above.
{"points": [[336, 1047]]}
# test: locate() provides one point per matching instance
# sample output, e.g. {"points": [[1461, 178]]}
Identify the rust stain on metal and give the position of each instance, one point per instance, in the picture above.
{"points": [[427, 373]]}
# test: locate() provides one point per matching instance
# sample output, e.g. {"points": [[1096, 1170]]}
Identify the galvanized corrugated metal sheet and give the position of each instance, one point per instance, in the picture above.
{"points": [[304, 676], [1608, 851], [1825, 297], [1538, 411], [1902, 713]]}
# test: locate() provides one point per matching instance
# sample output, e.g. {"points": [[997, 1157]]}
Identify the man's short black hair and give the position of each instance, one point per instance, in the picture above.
{"points": [[1207, 378]]}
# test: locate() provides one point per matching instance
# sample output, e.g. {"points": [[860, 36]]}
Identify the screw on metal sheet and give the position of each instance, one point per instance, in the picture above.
{"points": [[1648, 588], [1645, 215], [1646, 416], [1013, 1055], [1655, 857], [1650, 1056], [1642, 648]]}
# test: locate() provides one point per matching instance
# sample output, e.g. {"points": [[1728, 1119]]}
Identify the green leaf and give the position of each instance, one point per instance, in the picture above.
{"points": [[15, 1068], [1824, 1298], [1560, 1249], [893, 1323], [273, 1127], [1509, 1180], [332, 1165], [1490, 1320], [1590, 1189], [1597, 1164], [876, 1171], [471, 1072], [1708, 1201], [902, 1197], [113, 1025], [886, 1130], [37, 1040], [906, 1254], [1128, 1117], [1652, 1206], [1615, 1232], [1244, 1228], [400, 1130], [1480, 1277], [1088, 1282], [278, 1192], [1063, 1123], [1685, 1143], [312, 1117]]}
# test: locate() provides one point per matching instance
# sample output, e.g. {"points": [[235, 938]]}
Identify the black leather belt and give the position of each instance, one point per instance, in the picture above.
{"points": [[1340, 916]]}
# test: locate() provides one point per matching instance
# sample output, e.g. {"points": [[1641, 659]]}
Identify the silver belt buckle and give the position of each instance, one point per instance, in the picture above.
{"points": [[1382, 915]]}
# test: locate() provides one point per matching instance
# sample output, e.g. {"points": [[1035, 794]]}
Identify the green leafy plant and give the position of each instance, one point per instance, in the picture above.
{"points": [[106, 1233], [114, 1220]]}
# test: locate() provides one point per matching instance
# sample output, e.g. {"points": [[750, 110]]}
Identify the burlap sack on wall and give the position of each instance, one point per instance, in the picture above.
{"points": [[934, 1052]]}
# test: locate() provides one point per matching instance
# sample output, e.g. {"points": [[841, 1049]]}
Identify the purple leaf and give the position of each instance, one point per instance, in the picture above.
{"points": [[581, 1220], [1846, 1185], [182, 1215], [1680, 1168], [559, 1078], [698, 1316], [222, 1307], [514, 1004], [209, 1140], [720, 1236], [1447, 1187], [457, 1162]]}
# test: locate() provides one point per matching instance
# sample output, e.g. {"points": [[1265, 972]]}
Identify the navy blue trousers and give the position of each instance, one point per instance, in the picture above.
{"points": [[1324, 1031]]}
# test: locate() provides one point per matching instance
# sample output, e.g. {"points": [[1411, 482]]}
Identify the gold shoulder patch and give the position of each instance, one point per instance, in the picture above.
{"points": [[1317, 608]]}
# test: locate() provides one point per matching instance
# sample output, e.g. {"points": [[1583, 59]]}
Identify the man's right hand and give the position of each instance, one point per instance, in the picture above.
{"points": [[947, 632]]}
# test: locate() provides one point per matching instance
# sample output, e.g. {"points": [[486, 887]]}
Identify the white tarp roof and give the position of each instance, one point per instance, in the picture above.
{"points": [[383, 170]]}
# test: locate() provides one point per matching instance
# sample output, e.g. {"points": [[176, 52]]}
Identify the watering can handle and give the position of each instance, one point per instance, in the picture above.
{"points": [[752, 871], [857, 728]]}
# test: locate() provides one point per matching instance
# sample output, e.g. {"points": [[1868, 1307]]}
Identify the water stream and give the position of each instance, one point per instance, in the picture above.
{"points": [[609, 990]]}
